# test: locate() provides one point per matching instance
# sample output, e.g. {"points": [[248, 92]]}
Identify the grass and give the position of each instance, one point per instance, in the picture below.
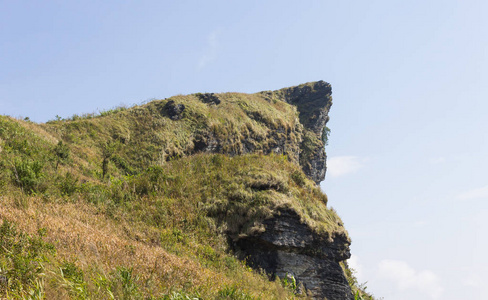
{"points": [[145, 135], [131, 204], [359, 290]]}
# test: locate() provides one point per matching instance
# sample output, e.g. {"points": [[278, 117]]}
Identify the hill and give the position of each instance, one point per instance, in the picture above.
{"points": [[210, 196]]}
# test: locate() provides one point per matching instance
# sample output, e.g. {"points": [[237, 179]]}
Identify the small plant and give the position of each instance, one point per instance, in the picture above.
{"points": [[68, 185], [62, 153], [289, 282], [108, 150], [325, 135], [102, 283], [73, 280], [70, 271], [180, 296], [112, 111], [357, 296], [125, 279], [233, 293]]}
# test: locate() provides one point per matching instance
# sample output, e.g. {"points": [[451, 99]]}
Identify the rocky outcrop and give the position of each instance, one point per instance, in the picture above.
{"points": [[209, 98], [288, 247], [313, 101], [303, 144], [278, 141], [173, 110]]}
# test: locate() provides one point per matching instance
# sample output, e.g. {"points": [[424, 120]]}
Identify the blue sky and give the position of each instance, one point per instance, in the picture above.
{"points": [[407, 151]]}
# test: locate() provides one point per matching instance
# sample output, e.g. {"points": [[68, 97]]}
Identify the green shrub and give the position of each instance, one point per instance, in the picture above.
{"points": [[68, 185], [94, 193], [62, 153], [325, 135], [124, 284], [122, 164], [27, 174], [289, 282]]}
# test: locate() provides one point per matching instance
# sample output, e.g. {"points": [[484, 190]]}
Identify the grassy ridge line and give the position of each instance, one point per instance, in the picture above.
{"points": [[146, 135]]}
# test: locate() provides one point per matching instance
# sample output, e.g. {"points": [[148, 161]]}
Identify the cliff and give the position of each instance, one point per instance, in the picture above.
{"points": [[158, 200], [313, 101], [287, 247]]}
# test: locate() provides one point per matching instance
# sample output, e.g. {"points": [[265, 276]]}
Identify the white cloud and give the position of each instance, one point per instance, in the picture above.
{"points": [[480, 193], [407, 279], [343, 165], [210, 53]]}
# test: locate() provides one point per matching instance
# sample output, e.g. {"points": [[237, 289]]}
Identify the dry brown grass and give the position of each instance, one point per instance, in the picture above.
{"points": [[98, 245]]}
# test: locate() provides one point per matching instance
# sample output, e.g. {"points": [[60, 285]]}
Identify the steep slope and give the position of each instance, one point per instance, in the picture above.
{"points": [[153, 201], [313, 101]]}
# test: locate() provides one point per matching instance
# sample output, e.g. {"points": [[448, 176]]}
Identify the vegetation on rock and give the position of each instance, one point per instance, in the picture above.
{"points": [[141, 202]]}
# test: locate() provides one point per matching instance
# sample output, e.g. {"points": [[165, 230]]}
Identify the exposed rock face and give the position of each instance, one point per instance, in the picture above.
{"points": [[278, 141], [289, 247], [303, 144], [314, 164], [209, 98], [173, 110], [313, 102]]}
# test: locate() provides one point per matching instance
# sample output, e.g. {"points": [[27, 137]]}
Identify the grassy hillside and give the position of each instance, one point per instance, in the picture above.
{"points": [[166, 129], [131, 204]]}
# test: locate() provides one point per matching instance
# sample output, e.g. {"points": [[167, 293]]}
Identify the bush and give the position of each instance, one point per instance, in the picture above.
{"points": [[62, 153], [28, 174], [289, 282], [68, 185], [325, 135]]}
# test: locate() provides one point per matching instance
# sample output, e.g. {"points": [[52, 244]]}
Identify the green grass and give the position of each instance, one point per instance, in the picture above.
{"points": [[22, 259], [359, 290], [145, 135], [148, 215]]}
